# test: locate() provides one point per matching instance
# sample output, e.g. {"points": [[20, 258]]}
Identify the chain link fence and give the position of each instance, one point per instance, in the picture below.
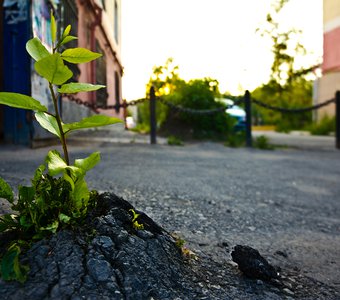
{"points": [[247, 100]]}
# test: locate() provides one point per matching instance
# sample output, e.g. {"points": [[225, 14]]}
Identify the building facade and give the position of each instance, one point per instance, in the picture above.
{"points": [[329, 83], [97, 25]]}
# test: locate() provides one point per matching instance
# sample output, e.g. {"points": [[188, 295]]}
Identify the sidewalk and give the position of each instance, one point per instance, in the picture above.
{"points": [[113, 134], [298, 139]]}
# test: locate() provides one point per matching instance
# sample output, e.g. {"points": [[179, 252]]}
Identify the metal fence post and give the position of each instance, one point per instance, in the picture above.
{"points": [[337, 119], [125, 113], [247, 102], [152, 116]]}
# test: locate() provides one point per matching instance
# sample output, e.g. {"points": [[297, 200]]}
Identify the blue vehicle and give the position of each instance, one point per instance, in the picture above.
{"points": [[235, 111]]}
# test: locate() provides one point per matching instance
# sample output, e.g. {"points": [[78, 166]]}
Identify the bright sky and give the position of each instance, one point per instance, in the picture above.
{"points": [[214, 38]]}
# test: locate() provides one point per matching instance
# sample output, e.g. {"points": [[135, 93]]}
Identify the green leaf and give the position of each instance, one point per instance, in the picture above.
{"points": [[55, 163], [48, 122], [81, 194], [87, 163], [53, 28], [21, 101], [36, 49], [25, 222], [51, 227], [93, 121], [67, 39], [64, 218], [53, 69], [69, 180], [66, 32], [79, 55], [6, 191], [7, 222], [10, 265], [26, 194], [38, 174], [75, 87]]}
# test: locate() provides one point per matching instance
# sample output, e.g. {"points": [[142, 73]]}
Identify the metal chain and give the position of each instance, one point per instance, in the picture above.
{"points": [[136, 102], [179, 108], [191, 110], [292, 110], [95, 107]]}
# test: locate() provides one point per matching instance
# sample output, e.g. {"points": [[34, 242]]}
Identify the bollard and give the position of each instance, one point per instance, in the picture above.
{"points": [[125, 113], [152, 116], [247, 102], [337, 119]]}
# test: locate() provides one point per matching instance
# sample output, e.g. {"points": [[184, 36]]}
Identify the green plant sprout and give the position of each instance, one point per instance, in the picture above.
{"points": [[51, 202], [135, 224]]}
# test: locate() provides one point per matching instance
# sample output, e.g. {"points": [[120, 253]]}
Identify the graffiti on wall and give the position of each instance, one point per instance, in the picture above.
{"points": [[41, 19], [16, 11], [41, 22]]}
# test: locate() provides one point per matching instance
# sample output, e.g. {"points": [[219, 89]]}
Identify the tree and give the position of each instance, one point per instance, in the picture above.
{"points": [[288, 86], [195, 94], [165, 79]]}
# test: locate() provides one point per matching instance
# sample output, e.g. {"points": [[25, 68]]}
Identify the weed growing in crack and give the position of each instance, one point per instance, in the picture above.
{"points": [[135, 224], [59, 196]]}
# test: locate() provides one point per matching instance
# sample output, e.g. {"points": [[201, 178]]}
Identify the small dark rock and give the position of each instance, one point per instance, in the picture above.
{"points": [[281, 253], [224, 245], [252, 264]]}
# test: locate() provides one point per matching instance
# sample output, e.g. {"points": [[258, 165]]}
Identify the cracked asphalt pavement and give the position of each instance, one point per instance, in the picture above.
{"points": [[284, 203]]}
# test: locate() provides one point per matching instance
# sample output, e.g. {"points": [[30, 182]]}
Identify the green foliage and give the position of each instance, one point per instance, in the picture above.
{"points": [[135, 224], [165, 80], [179, 243], [90, 122], [79, 55], [174, 141], [236, 139], [196, 94], [49, 122], [286, 47], [59, 195], [297, 95], [53, 69], [36, 49], [10, 267], [53, 29], [6, 191], [21, 101], [262, 142], [325, 127], [288, 86], [75, 87], [50, 202]]}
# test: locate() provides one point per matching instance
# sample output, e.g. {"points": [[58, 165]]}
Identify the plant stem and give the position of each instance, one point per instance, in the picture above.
{"points": [[57, 116]]}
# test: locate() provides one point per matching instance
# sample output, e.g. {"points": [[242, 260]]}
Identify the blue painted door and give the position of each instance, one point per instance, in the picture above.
{"points": [[16, 69]]}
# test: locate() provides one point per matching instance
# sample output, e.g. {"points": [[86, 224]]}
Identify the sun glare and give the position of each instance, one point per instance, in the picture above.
{"points": [[216, 40]]}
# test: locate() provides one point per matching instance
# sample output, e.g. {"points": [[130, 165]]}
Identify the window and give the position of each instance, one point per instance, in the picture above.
{"points": [[69, 16], [101, 94]]}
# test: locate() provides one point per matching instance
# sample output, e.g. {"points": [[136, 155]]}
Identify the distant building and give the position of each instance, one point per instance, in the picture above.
{"points": [[97, 25], [329, 83]]}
